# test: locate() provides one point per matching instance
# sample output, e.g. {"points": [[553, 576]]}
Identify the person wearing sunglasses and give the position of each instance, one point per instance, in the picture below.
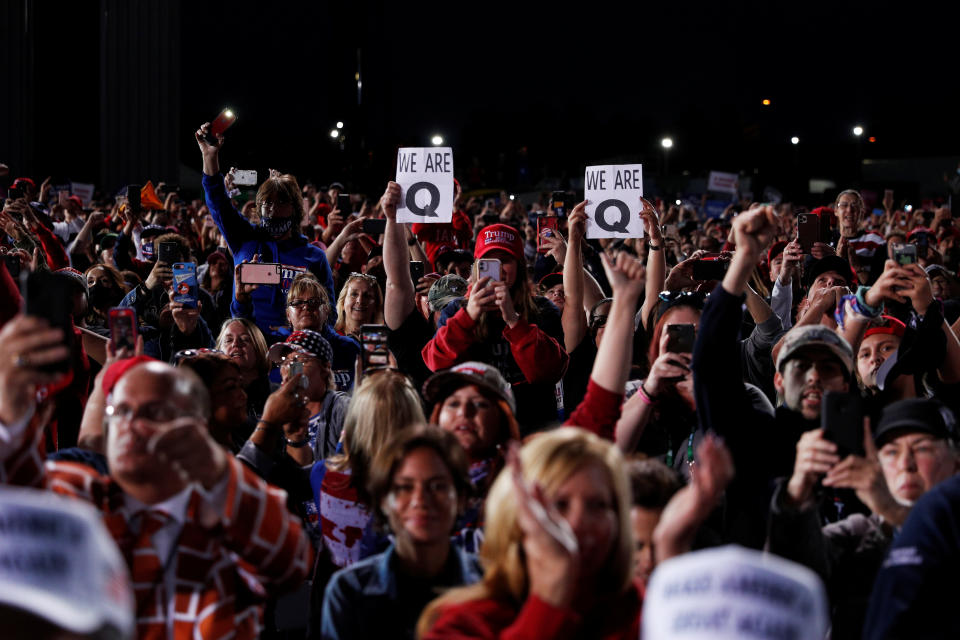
{"points": [[308, 307]]}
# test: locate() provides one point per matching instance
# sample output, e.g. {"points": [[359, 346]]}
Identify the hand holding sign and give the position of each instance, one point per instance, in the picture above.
{"points": [[426, 177], [613, 195]]}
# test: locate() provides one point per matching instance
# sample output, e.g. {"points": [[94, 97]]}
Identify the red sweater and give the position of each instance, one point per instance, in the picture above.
{"points": [[611, 619], [539, 356]]}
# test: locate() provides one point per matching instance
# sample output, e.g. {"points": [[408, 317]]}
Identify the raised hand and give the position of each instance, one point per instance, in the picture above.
{"points": [[549, 544], [482, 298], [26, 343], [390, 200], [626, 275], [815, 456], [753, 230]]}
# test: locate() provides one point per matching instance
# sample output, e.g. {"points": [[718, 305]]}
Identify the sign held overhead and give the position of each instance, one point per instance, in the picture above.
{"points": [[613, 201], [425, 174], [723, 182]]}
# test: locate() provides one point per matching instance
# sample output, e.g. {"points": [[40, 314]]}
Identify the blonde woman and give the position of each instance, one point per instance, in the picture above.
{"points": [[382, 405], [243, 342], [308, 307], [546, 574], [360, 302]]}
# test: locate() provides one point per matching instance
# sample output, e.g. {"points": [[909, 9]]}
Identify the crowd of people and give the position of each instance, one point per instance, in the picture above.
{"points": [[377, 440]]}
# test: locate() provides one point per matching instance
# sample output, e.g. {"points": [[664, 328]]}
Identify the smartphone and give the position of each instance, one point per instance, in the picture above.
{"points": [[374, 226], [50, 296], [923, 245], [295, 368], [123, 328], [133, 198], [220, 124], [558, 203], [14, 193], [841, 415], [168, 252], [488, 268], [416, 271], [707, 270], [680, 338], [373, 346], [343, 204], [546, 227], [808, 231], [904, 253], [186, 289], [245, 177], [260, 273], [13, 265]]}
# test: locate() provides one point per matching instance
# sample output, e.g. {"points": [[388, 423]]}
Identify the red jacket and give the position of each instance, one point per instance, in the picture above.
{"points": [[539, 356], [612, 619]]}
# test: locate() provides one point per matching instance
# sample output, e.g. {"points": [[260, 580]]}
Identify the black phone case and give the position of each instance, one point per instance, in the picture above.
{"points": [[681, 339], [50, 296], [842, 420], [706, 270]]}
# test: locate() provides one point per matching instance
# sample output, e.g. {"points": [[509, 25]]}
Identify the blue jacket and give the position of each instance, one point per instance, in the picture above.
{"points": [[363, 601], [245, 240]]}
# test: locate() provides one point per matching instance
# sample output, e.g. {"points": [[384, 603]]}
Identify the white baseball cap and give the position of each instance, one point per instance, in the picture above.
{"points": [[730, 593], [58, 562]]}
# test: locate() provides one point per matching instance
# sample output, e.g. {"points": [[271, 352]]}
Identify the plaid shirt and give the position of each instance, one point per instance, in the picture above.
{"points": [[221, 573]]}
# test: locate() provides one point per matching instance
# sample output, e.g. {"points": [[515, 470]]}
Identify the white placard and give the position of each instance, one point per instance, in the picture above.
{"points": [[613, 201], [425, 174], [731, 593], [83, 191], [723, 182]]}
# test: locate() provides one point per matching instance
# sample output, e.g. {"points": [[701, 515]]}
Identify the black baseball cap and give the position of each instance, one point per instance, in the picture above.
{"points": [[915, 415]]}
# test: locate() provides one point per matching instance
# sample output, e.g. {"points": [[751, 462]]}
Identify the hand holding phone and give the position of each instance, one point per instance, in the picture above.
{"points": [[123, 329], [547, 226], [680, 338], [260, 273], [374, 226], [221, 123], [488, 268], [373, 346]]}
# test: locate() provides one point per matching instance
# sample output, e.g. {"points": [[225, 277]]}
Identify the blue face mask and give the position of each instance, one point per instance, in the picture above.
{"points": [[276, 227], [146, 247]]}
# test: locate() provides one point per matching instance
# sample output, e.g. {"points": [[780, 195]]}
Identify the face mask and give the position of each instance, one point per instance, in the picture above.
{"points": [[103, 297], [276, 227], [146, 247]]}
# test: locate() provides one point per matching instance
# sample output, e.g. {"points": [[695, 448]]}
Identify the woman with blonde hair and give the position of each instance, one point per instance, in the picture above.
{"points": [[557, 550], [308, 307], [243, 342], [360, 302], [383, 404]]}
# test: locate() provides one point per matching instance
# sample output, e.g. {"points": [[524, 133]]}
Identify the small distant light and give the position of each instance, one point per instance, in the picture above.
{"points": [[766, 102], [794, 140], [339, 124], [678, 203], [335, 133], [871, 139], [513, 197], [858, 130], [437, 140], [666, 143]]}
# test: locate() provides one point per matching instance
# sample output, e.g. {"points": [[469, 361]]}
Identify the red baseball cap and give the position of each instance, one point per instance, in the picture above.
{"points": [[888, 325], [499, 236], [119, 368]]}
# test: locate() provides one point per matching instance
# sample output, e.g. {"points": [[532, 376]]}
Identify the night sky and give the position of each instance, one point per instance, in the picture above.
{"points": [[569, 85]]}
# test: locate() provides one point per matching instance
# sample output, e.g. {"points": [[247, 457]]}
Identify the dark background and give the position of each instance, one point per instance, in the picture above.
{"points": [[110, 92]]}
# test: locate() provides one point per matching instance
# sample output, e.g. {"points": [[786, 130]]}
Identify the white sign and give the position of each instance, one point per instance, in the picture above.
{"points": [[723, 182], [613, 201], [82, 190], [731, 593], [426, 177]]}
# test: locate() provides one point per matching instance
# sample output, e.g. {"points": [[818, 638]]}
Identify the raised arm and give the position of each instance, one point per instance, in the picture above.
{"points": [[656, 261], [399, 300], [235, 228], [573, 318]]}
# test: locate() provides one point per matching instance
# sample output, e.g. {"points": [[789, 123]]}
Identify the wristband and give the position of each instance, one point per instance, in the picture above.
{"points": [[864, 308], [644, 396], [297, 444], [654, 247]]}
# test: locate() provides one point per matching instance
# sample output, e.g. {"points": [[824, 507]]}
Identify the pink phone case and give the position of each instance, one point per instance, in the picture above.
{"points": [[260, 273]]}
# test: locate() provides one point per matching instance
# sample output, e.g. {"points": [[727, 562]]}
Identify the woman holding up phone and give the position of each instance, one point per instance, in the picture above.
{"points": [[501, 323]]}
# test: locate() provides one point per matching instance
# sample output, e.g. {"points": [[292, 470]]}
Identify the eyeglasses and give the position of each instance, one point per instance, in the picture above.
{"points": [[183, 354], [310, 303], [438, 489], [153, 411]]}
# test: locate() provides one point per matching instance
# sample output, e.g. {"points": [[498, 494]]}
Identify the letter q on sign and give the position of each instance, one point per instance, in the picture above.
{"points": [[425, 176], [613, 195]]}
